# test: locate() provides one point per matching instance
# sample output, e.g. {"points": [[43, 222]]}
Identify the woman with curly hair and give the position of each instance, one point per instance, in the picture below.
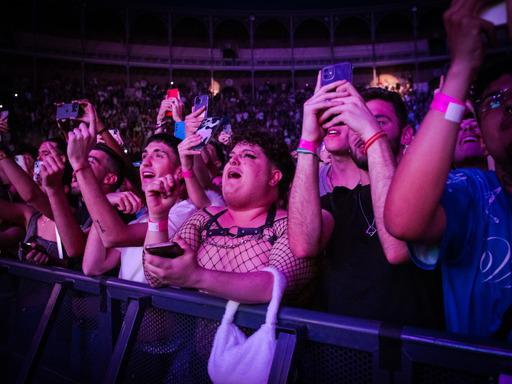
{"points": [[226, 249]]}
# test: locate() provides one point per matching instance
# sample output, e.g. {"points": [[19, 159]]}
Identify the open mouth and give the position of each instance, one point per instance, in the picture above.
{"points": [[146, 175], [333, 132], [234, 175], [470, 139]]}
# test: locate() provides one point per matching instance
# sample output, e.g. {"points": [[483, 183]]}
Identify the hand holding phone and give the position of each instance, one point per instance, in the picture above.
{"points": [[168, 249], [207, 129], [199, 102]]}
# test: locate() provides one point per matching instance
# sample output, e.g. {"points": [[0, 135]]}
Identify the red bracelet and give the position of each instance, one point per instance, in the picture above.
{"points": [[308, 145], [187, 173], [376, 136]]}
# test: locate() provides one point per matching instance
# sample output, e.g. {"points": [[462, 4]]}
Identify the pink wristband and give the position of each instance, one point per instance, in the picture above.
{"points": [[452, 108], [157, 226], [308, 145], [187, 173]]}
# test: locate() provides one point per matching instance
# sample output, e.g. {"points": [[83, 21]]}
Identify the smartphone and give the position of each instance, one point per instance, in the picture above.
{"points": [[332, 73], [169, 249], [495, 13], [4, 115], [199, 102], [68, 111], [179, 131], [207, 129], [172, 93], [27, 247], [37, 171]]}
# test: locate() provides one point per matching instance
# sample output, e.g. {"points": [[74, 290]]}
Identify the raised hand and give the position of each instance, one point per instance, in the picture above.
{"points": [[80, 142], [352, 111], [126, 202], [193, 120], [187, 153], [323, 98], [52, 170], [161, 195]]}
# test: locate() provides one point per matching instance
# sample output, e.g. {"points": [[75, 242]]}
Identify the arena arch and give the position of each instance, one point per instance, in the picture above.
{"points": [[311, 32], [148, 28], [190, 31], [352, 30], [271, 33]]}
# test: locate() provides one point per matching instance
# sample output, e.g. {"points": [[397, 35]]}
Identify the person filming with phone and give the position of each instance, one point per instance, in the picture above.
{"points": [[361, 276]]}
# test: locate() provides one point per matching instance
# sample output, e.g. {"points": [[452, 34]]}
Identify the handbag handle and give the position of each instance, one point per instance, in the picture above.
{"points": [[278, 289]]}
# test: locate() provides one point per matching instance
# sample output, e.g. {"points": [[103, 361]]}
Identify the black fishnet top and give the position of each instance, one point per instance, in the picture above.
{"points": [[247, 252]]}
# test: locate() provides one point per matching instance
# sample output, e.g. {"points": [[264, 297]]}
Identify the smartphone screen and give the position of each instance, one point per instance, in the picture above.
{"points": [[172, 93], [208, 128], [4, 115], [332, 73], [168, 249]]}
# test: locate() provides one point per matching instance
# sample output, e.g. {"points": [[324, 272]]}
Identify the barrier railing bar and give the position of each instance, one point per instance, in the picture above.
{"points": [[42, 332], [131, 323], [283, 357]]}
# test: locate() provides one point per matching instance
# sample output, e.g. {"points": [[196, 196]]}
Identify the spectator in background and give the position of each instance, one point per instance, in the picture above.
{"points": [[467, 212]]}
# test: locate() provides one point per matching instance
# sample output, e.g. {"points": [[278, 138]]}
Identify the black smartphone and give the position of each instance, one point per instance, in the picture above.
{"points": [[68, 111], [27, 247], [339, 71], [169, 249], [207, 129]]}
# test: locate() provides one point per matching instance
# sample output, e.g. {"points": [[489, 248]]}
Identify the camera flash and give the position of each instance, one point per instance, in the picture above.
{"points": [[172, 82], [1, 106], [15, 95]]}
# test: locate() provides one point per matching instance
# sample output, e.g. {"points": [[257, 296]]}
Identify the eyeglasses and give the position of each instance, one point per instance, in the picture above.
{"points": [[495, 100]]}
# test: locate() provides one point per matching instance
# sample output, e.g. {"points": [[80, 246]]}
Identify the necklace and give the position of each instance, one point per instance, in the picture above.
{"points": [[371, 229], [330, 183]]}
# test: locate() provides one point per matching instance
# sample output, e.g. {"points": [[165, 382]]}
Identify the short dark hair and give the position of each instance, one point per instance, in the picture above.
{"points": [[491, 70], [376, 93], [171, 141], [276, 151], [115, 163], [61, 145]]}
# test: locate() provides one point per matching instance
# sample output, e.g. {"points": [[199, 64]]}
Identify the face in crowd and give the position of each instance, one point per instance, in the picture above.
{"points": [[249, 177], [384, 112], [495, 116], [158, 160], [469, 144]]}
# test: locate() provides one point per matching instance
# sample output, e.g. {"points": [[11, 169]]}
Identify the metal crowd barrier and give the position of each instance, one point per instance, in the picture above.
{"points": [[58, 326]]}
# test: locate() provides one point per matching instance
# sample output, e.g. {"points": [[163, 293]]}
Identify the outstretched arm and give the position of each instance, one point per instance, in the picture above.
{"points": [[25, 186], [413, 211], [309, 227]]}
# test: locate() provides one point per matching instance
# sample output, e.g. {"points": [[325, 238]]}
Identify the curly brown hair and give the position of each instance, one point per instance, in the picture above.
{"points": [[276, 151]]}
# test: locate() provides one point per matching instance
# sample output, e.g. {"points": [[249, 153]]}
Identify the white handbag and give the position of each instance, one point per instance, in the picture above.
{"points": [[236, 358]]}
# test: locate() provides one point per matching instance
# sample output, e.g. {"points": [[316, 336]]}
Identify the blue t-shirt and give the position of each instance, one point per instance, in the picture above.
{"points": [[475, 252]]}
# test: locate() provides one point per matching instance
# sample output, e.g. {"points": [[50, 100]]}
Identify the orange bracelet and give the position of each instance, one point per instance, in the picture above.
{"points": [[376, 136]]}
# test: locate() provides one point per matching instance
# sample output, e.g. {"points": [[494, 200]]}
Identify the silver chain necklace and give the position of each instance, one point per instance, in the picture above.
{"points": [[371, 229]]}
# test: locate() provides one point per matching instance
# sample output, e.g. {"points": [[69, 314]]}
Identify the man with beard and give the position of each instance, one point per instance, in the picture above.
{"points": [[467, 212], [361, 277]]}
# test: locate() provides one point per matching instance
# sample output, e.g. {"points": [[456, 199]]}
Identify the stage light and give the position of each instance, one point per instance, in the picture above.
{"points": [[15, 95]]}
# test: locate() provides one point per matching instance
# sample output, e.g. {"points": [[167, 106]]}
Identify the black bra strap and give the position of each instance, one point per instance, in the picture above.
{"points": [[213, 219]]}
